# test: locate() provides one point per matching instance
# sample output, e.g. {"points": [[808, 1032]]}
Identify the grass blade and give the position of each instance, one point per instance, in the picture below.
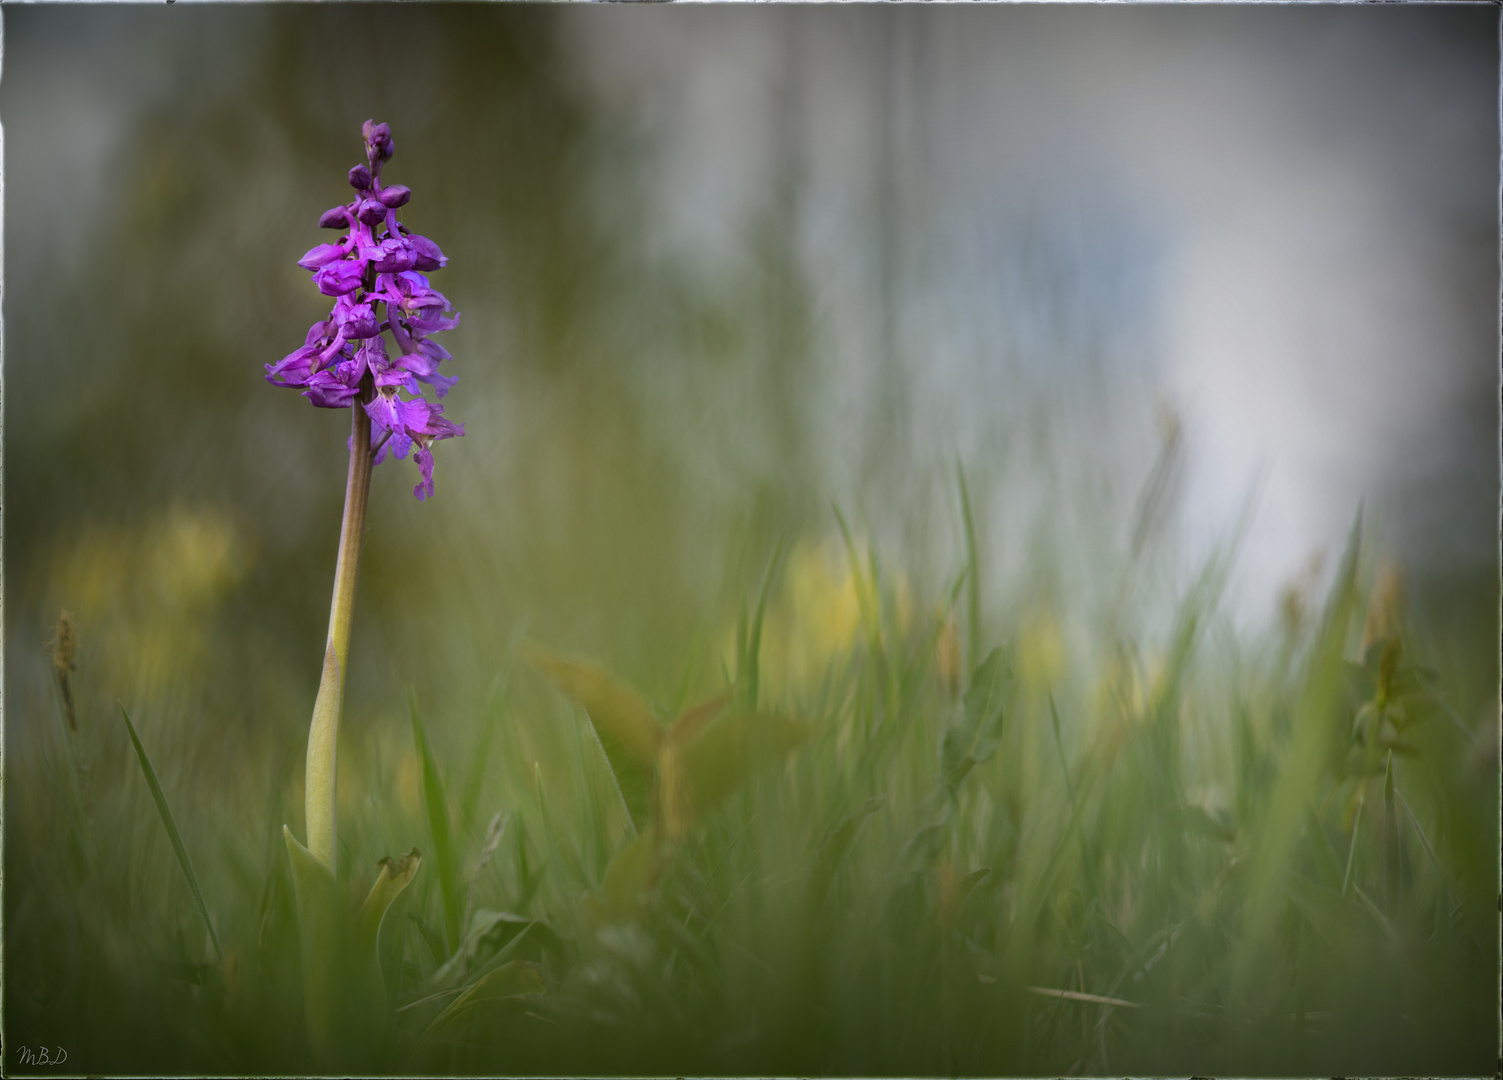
{"points": [[495, 709], [172, 832], [438, 826], [1391, 881], [754, 639], [973, 574]]}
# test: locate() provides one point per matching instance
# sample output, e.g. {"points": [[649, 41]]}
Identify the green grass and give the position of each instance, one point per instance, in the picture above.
{"points": [[1200, 854]]}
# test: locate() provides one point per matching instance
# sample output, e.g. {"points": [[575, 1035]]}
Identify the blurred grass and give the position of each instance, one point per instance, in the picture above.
{"points": [[1160, 866], [1177, 813]]}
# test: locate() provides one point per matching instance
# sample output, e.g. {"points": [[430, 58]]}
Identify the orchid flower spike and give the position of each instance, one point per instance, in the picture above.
{"points": [[376, 273]]}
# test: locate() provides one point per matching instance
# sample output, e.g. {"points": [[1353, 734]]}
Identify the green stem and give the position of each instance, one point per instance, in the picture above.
{"points": [[323, 733]]}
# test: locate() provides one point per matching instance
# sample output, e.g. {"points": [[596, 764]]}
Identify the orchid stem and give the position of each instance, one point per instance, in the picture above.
{"points": [[323, 733]]}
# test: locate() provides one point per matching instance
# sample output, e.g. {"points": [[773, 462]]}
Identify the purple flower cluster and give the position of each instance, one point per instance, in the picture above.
{"points": [[376, 275]]}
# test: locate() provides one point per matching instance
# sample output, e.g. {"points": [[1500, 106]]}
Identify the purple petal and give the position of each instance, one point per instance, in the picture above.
{"points": [[382, 410], [327, 392], [434, 351], [436, 325], [440, 383], [294, 368], [355, 321], [395, 257], [389, 442], [424, 459]]}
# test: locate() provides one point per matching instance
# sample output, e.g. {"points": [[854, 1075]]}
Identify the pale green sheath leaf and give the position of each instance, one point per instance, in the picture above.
{"points": [[172, 833], [321, 931], [396, 875]]}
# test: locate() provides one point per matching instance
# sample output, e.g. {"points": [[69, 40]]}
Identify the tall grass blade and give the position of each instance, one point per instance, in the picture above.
{"points": [[1281, 824], [165, 812], [973, 573], [1390, 841], [754, 638], [475, 779], [438, 826], [1351, 851]]}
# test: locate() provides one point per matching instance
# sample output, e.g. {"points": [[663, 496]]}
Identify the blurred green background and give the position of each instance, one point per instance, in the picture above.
{"points": [[1138, 272]]}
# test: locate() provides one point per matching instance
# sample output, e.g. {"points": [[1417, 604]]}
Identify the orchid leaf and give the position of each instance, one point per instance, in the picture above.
{"points": [[396, 875], [321, 930]]}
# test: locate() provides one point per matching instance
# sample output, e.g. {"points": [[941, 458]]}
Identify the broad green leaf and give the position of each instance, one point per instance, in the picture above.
{"points": [[481, 923], [165, 813], [629, 875], [623, 722], [510, 984], [693, 721], [967, 885], [735, 747], [974, 739], [832, 852], [438, 825], [934, 814], [617, 711]]}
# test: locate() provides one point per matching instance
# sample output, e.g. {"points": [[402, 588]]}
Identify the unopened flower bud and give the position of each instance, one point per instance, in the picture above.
{"points": [[371, 212], [337, 217], [378, 140], [425, 253], [394, 196], [360, 178], [321, 255]]}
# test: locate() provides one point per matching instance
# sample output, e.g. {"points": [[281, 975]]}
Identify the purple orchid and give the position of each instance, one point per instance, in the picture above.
{"points": [[376, 274]]}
